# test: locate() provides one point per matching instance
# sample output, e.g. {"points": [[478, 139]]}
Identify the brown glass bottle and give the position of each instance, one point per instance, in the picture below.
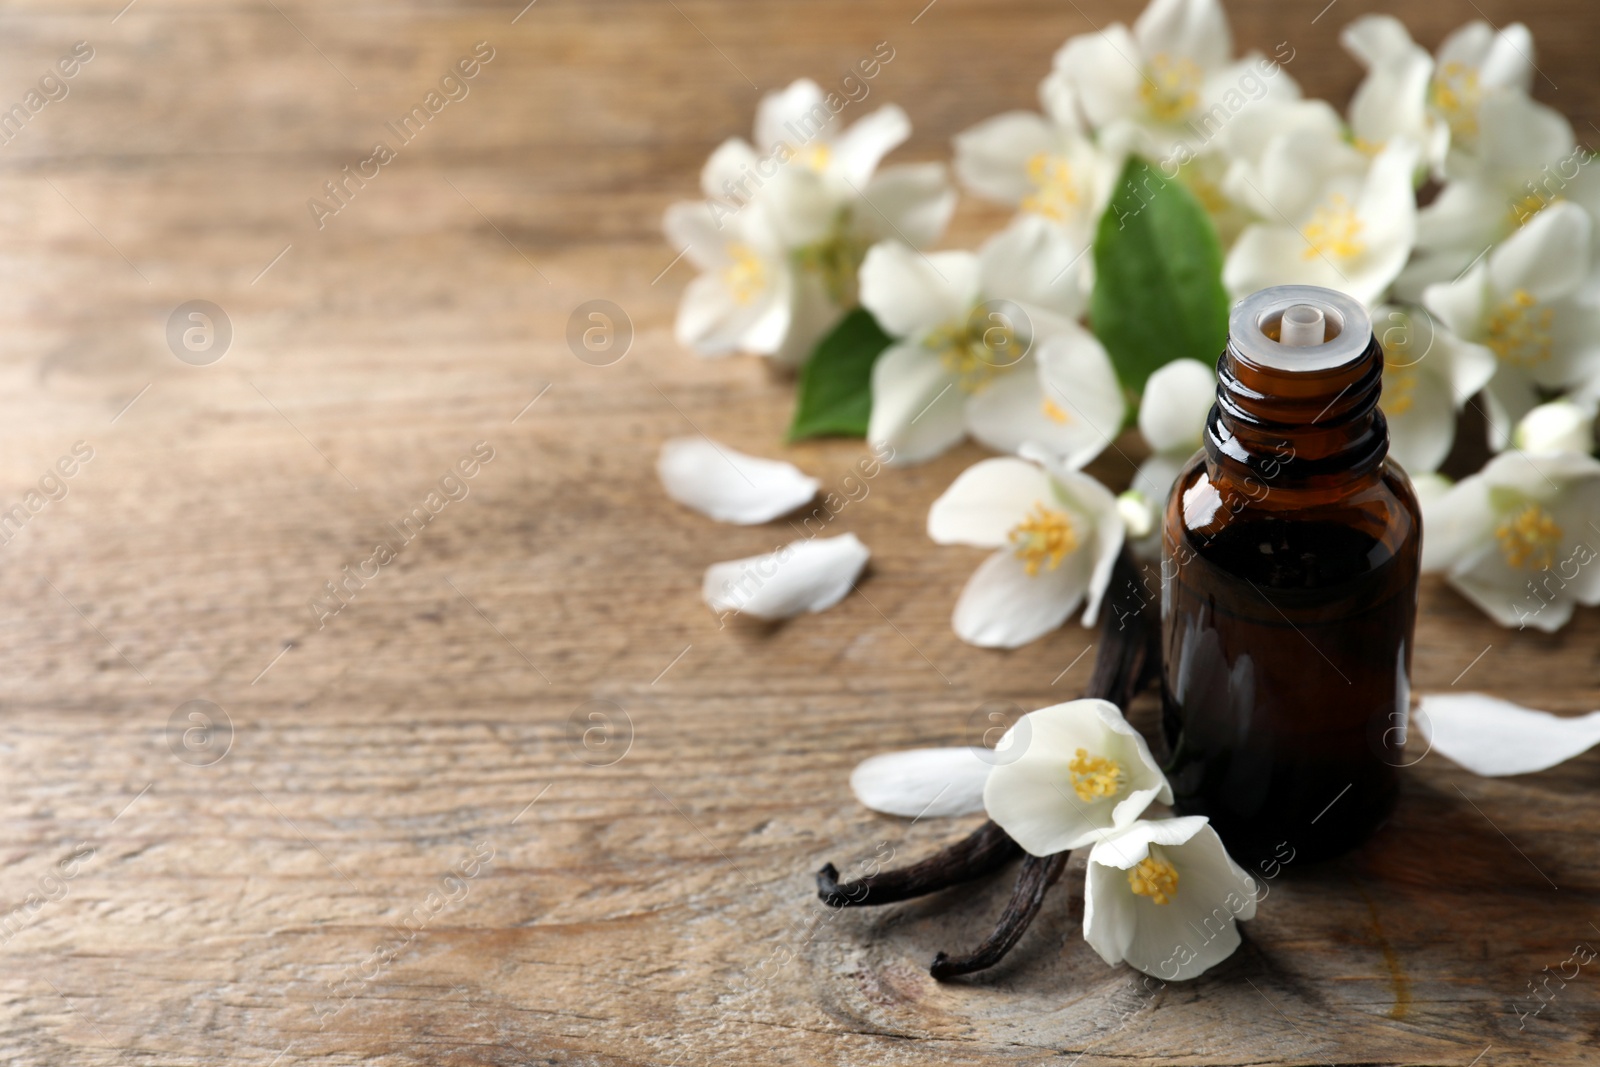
{"points": [[1289, 589]]}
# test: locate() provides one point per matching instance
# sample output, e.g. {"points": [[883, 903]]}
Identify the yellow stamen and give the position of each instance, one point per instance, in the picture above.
{"points": [[1529, 538], [1334, 230], [1155, 879], [1171, 87], [1524, 208], [1053, 412], [1456, 94], [746, 276], [1399, 391], [1519, 330], [977, 350], [1043, 539], [818, 156], [1055, 189], [1094, 777]]}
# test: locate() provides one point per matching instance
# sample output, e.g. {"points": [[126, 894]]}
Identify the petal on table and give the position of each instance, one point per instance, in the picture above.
{"points": [[808, 575], [728, 485], [923, 781], [1495, 737]]}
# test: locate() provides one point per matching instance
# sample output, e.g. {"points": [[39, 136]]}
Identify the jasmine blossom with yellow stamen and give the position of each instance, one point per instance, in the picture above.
{"points": [[1083, 773], [1056, 533]]}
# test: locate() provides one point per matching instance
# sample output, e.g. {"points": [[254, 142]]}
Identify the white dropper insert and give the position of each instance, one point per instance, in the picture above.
{"points": [[1304, 325]]}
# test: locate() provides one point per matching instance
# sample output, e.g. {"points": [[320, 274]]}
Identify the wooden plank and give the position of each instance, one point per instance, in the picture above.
{"points": [[656, 910]]}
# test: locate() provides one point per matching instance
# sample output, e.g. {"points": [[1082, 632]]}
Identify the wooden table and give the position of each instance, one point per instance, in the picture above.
{"points": [[386, 842]]}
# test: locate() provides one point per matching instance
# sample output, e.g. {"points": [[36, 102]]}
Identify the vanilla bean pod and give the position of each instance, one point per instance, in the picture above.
{"points": [[986, 849], [1038, 874], [1127, 659]]}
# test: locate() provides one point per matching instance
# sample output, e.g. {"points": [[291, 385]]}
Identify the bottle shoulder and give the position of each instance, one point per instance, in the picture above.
{"points": [[1252, 526]]}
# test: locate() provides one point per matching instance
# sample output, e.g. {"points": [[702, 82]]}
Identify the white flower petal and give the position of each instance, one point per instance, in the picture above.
{"points": [[917, 405], [1558, 426], [913, 203], [807, 575], [1196, 30], [986, 500], [1189, 934], [991, 158], [1495, 737], [796, 116], [910, 292], [1086, 404], [858, 150], [728, 485], [1034, 795], [1392, 100], [1548, 257], [1033, 262], [1422, 421], [732, 160], [810, 315], [1093, 501], [1103, 73], [923, 781], [713, 321], [1003, 606], [1177, 399]]}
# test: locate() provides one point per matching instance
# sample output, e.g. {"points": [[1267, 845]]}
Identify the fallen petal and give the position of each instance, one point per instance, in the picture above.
{"points": [[1495, 737], [923, 781], [730, 486], [807, 575]]}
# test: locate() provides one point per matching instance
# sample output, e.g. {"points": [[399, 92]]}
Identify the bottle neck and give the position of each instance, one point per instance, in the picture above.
{"points": [[1298, 429]]}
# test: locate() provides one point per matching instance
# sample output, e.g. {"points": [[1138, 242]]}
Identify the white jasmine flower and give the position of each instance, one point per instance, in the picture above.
{"points": [[1170, 82], [1042, 167], [1495, 737], [745, 299], [1564, 425], [986, 345], [1518, 538], [1082, 774], [1428, 375], [1330, 217], [807, 575], [1477, 63], [1172, 419], [1521, 304], [1165, 897], [1057, 533], [1526, 161], [728, 485], [1393, 100], [821, 203]]}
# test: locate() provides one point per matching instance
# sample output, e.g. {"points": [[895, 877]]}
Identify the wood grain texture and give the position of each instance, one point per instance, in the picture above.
{"points": [[659, 909]]}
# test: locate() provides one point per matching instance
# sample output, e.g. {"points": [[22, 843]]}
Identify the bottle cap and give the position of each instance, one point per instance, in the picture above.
{"points": [[1299, 328]]}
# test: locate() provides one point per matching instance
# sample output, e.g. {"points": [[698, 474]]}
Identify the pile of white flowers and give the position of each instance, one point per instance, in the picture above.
{"points": [[1162, 178]]}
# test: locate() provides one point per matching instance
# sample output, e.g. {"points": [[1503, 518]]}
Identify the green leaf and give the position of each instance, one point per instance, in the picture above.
{"points": [[835, 394], [1158, 292]]}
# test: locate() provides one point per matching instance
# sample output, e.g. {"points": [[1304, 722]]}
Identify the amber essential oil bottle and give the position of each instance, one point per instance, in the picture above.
{"points": [[1289, 589]]}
